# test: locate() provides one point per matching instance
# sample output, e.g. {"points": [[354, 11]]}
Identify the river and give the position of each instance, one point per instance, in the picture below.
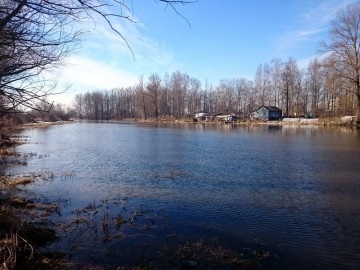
{"points": [[289, 192]]}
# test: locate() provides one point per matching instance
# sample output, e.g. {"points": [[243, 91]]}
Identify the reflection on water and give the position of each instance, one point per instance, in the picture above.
{"points": [[295, 189]]}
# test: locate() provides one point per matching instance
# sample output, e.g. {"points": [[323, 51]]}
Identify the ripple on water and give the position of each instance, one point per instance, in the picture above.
{"points": [[296, 189]]}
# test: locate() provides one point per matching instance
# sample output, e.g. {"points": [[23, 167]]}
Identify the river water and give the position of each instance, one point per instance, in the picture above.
{"points": [[127, 190]]}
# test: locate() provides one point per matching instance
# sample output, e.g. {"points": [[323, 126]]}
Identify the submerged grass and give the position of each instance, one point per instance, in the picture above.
{"points": [[203, 254], [21, 241], [25, 230], [134, 231]]}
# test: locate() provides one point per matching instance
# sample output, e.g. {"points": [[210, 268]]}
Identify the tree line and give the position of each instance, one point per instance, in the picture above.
{"points": [[315, 91], [35, 37], [328, 86]]}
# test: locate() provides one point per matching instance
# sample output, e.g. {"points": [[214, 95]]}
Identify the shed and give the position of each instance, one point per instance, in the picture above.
{"points": [[201, 116], [267, 113], [207, 117]]}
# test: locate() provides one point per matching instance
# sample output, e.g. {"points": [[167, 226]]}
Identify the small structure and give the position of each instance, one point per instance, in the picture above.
{"points": [[228, 118], [215, 117], [202, 116], [266, 113], [206, 117]]}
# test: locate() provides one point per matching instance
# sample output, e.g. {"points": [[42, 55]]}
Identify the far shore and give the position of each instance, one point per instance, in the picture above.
{"points": [[325, 122], [44, 124]]}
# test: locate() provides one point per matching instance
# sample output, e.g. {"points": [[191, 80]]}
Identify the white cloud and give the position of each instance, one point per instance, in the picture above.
{"points": [[89, 73], [105, 62], [85, 74]]}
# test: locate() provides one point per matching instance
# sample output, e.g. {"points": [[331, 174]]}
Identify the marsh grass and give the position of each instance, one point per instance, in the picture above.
{"points": [[209, 254], [24, 227], [17, 181], [26, 231], [112, 227], [20, 240], [20, 181]]}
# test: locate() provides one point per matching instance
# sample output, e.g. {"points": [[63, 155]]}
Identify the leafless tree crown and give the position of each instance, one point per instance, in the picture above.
{"points": [[344, 45], [36, 36]]}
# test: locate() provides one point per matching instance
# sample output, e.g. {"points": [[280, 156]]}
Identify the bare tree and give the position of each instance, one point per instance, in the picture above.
{"points": [[179, 90], [226, 91], [315, 82], [141, 96], [275, 81], [193, 100], [344, 44], [36, 36], [153, 87], [262, 83], [32, 40], [288, 80]]}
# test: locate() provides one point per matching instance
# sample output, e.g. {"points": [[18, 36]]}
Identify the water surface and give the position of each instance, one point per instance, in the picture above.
{"points": [[293, 191]]}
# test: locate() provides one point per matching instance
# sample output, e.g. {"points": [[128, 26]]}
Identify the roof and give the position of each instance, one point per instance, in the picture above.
{"points": [[271, 108]]}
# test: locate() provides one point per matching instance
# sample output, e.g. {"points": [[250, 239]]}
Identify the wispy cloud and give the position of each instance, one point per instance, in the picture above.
{"points": [[104, 61], [110, 45], [310, 25]]}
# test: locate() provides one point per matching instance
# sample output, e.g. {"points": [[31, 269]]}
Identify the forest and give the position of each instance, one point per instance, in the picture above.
{"points": [[315, 91], [328, 86]]}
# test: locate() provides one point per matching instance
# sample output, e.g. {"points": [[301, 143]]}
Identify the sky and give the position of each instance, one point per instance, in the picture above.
{"points": [[210, 40]]}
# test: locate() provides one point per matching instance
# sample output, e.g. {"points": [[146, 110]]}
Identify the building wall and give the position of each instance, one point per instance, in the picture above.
{"points": [[265, 114], [275, 115]]}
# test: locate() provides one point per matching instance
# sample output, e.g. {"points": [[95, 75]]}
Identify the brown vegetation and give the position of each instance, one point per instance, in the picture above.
{"points": [[20, 240]]}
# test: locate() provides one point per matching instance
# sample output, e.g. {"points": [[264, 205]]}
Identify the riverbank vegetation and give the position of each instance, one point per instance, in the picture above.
{"points": [[24, 226]]}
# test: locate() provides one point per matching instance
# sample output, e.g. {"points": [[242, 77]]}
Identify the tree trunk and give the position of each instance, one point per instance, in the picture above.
{"points": [[358, 110]]}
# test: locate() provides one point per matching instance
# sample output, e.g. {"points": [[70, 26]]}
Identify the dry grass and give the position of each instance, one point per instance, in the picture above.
{"points": [[8, 247], [4, 151], [20, 240], [20, 181]]}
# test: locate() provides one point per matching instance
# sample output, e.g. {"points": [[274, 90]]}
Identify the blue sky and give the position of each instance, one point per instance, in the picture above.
{"points": [[218, 40]]}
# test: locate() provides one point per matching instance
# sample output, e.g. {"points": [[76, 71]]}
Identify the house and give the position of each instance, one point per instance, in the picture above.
{"points": [[267, 113]]}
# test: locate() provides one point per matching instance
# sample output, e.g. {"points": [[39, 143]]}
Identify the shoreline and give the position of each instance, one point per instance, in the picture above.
{"points": [[322, 122], [43, 124], [347, 122]]}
